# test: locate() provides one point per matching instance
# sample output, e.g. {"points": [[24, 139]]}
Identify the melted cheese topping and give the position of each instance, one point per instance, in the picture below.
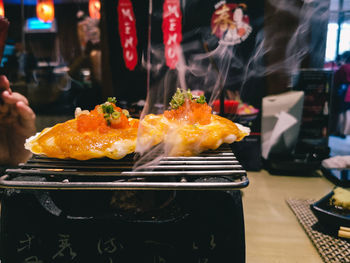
{"points": [[65, 141], [185, 139]]}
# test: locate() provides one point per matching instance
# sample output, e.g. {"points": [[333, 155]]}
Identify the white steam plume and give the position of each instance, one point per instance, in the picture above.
{"points": [[211, 68]]}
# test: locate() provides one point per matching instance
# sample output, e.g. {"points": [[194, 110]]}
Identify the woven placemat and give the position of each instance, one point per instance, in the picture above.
{"points": [[329, 246]]}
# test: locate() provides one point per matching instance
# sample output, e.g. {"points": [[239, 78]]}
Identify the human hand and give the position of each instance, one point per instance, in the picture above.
{"points": [[17, 123]]}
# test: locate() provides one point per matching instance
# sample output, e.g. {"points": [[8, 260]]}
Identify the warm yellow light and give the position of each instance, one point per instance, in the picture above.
{"points": [[2, 8], [45, 10], [94, 9]]}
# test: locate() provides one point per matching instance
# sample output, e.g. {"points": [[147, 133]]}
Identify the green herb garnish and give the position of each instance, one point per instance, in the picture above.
{"points": [[109, 113], [180, 96], [201, 99], [112, 100], [126, 113], [107, 108], [116, 115], [188, 94], [177, 100]]}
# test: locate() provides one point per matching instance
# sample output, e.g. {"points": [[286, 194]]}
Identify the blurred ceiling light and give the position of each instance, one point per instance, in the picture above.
{"points": [[94, 9], [45, 10]]}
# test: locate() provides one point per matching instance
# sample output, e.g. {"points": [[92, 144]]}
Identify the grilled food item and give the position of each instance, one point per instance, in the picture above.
{"points": [[106, 131], [188, 128], [341, 198]]}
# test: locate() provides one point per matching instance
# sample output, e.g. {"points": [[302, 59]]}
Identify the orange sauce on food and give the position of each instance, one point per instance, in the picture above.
{"points": [[69, 142], [191, 112], [88, 136]]}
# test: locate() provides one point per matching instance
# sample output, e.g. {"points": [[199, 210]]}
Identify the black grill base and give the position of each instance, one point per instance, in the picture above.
{"points": [[204, 226]]}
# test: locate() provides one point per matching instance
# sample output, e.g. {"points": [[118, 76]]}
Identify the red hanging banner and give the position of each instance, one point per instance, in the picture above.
{"points": [[127, 33], [172, 31]]}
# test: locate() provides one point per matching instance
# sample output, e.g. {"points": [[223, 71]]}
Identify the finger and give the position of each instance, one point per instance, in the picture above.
{"points": [[27, 116], [8, 114], [4, 84], [13, 98], [4, 110]]}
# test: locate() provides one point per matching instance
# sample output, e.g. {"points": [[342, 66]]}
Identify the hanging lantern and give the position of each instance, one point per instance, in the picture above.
{"points": [[2, 8], [94, 9], [45, 10]]}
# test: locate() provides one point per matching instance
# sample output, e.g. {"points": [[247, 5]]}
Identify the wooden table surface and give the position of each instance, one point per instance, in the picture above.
{"points": [[273, 233]]}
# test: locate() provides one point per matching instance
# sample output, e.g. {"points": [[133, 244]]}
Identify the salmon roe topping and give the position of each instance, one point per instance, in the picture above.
{"points": [[190, 112], [90, 122], [95, 120]]}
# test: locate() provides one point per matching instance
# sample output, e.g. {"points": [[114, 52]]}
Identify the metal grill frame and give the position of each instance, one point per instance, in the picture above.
{"points": [[212, 170]]}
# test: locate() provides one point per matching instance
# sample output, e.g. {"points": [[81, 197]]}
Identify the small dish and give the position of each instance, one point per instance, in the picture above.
{"points": [[330, 215]]}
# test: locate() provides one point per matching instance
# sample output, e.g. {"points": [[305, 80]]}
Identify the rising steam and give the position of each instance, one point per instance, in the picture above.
{"points": [[210, 65]]}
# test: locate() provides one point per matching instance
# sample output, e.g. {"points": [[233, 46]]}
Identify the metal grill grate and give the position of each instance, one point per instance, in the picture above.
{"points": [[212, 170]]}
